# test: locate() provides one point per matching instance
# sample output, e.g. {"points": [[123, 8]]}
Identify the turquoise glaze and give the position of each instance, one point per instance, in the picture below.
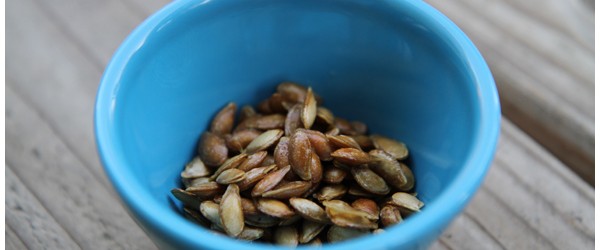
{"points": [[400, 65]]}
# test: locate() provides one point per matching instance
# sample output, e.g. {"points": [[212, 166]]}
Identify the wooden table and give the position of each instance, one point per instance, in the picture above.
{"points": [[538, 194]]}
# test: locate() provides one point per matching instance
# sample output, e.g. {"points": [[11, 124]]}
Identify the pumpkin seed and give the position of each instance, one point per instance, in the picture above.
{"points": [[319, 143], [310, 230], [286, 235], [388, 168], [288, 190], [343, 141], [240, 139], [292, 92], [269, 160], [309, 109], [368, 206], [315, 168], [390, 215], [395, 148], [315, 242], [230, 163], [262, 220], [187, 198], [378, 231], [264, 141], [196, 216], [358, 191], [333, 131], [337, 233], [223, 122], [195, 182], [274, 208], [276, 103], [290, 221], [255, 175], [330, 192], [210, 210], [264, 107], [206, 190], [351, 156], [309, 210], [406, 201], [325, 116], [269, 181], [292, 120], [334, 175], [369, 180], [359, 127], [230, 211], [248, 207], [265, 122], [253, 161], [281, 153], [344, 126], [300, 154], [195, 169], [251, 233], [344, 215], [364, 142], [212, 149], [246, 112], [231, 176]]}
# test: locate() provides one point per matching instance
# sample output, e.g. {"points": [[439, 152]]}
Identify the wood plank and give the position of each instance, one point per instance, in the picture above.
{"points": [[33, 224], [147, 7], [465, 233], [544, 75], [12, 240], [68, 190], [439, 245]]}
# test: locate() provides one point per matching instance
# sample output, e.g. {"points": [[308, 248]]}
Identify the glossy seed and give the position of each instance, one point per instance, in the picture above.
{"points": [[274, 208], [212, 149], [246, 112], [206, 190], [248, 207], [369, 180], [368, 206], [344, 215], [290, 221], [240, 139], [196, 181], [351, 156], [364, 142], [359, 127], [269, 160], [286, 235], [344, 126], [334, 175], [319, 143], [230, 211], [255, 175], [390, 215], [195, 169], [187, 198], [343, 141], [230, 176], [292, 92], [330, 192], [223, 122], [264, 141], [337, 233], [230, 163], [276, 103], [316, 242], [315, 168], [253, 161], [378, 231], [196, 216], [210, 210], [269, 181], [358, 191], [300, 155], [265, 122], [262, 220], [333, 131], [405, 201], [325, 116], [309, 109], [395, 148], [251, 233], [389, 169], [310, 230], [288, 190], [264, 107], [410, 178], [309, 210], [281, 152], [292, 120]]}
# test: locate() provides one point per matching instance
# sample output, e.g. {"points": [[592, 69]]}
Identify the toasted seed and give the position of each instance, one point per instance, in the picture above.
{"points": [[251, 233], [309, 210], [315, 242], [334, 175], [325, 116], [253, 161], [369, 180], [367, 205], [288, 190], [212, 149], [206, 190], [388, 168], [359, 127], [246, 112], [351, 156], [248, 207], [281, 152], [196, 216], [390, 215], [309, 109], [343, 141], [319, 143], [269, 160], [223, 121], [240, 139], [395, 148], [230, 163], [315, 168], [266, 122], [262, 220], [210, 211], [230, 211], [310, 230], [290, 221], [405, 201], [330, 192], [187, 198], [344, 126], [292, 92], [264, 141], [300, 154], [292, 120], [274, 208], [341, 165], [358, 191], [286, 235], [344, 215], [216, 229], [195, 169], [333, 131], [195, 182], [410, 178], [276, 103], [337, 233], [255, 175], [378, 231], [269, 181], [364, 142], [230, 176], [264, 107]]}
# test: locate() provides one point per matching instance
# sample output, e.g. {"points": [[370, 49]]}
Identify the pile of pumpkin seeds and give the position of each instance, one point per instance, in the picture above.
{"points": [[290, 173]]}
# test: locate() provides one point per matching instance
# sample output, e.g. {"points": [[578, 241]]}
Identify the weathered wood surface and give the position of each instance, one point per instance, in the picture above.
{"points": [[541, 53], [56, 52]]}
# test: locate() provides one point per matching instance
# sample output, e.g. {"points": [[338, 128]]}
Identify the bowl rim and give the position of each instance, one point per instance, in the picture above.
{"points": [[444, 208]]}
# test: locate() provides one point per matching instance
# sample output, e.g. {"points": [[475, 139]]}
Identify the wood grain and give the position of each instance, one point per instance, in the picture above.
{"points": [[12, 240]]}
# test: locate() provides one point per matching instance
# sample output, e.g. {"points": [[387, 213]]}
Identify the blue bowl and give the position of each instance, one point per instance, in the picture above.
{"points": [[399, 65]]}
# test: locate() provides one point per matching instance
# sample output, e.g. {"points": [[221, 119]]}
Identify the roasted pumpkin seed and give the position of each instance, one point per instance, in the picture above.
{"points": [[351, 156], [195, 169], [309, 210], [395, 148], [390, 215], [300, 155], [309, 109], [337, 233], [231, 176], [230, 211], [274, 208], [187, 198], [286, 235], [264, 141], [212, 149], [369, 180], [292, 120], [344, 215], [269, 181], [288, 190], [310, 230], [223, 122], [253, 161]]}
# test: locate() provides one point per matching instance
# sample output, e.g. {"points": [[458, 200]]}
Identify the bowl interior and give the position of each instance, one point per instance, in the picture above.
{"points": [[382, 62]]}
